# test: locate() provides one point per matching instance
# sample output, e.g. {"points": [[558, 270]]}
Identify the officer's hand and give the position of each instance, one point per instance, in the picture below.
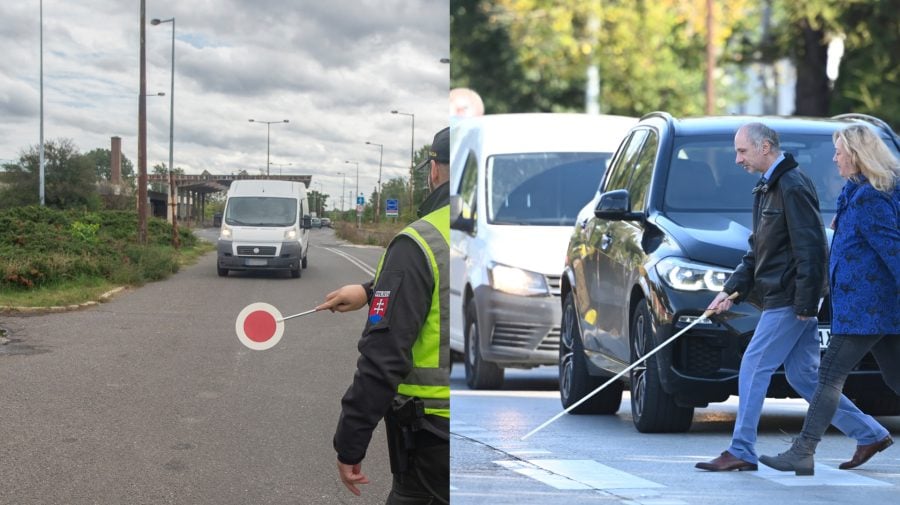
{"points": [[351, 475], [721, 303], [344, 299]]}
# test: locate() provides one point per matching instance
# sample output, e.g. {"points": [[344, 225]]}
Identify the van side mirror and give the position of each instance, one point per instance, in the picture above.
{"points": [[306, 222], [461, 217], [615, 205]]}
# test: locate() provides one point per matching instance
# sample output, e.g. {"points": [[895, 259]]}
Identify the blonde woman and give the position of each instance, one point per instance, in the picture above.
{"points": [[865, 290]]}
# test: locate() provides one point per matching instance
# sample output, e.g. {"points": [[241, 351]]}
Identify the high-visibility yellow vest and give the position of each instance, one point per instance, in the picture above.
{"points": [[429, 379]]}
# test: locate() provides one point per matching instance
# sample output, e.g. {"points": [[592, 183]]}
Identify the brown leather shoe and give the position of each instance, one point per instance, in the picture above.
{"points": [[865, 452], [726, 463]]}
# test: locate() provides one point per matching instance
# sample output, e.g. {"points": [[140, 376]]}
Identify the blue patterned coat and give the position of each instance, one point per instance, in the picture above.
{"points": [[865, 261]]}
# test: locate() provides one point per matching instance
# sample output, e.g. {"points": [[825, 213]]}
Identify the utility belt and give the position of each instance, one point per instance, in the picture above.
{"points": [[409, 428]]}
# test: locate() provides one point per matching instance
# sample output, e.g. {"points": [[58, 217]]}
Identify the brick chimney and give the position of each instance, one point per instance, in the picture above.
{"points": [[115, 161]]}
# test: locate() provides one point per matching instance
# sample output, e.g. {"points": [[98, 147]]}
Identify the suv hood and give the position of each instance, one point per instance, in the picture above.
{"points": [[716, 239], [540, 249]]}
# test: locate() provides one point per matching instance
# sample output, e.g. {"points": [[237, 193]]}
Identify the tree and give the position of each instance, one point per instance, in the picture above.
{"points": [[69, 178], [317, 201], [100, 160]]}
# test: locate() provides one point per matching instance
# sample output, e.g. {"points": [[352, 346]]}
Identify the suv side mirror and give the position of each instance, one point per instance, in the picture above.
{"points": [[306, 224], [615, 205], [461, 215]]}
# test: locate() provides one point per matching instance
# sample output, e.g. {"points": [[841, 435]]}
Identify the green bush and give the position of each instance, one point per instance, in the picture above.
{"points": [[40, 247]]}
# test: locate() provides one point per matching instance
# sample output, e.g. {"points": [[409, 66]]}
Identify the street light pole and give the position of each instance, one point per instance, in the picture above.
{"points": [[412, 158], [378, 191], [358, 212], [41, 157], [172, 191], [343, 181], [268, 124]]}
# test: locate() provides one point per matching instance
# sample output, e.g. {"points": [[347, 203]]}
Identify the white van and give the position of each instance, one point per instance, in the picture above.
{"points": [[265, 226], [517, 184]]}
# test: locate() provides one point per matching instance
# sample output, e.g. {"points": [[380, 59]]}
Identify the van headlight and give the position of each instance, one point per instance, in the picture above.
{"points": [[225, 233], [685, 275], [516, 281], [291, 234]]}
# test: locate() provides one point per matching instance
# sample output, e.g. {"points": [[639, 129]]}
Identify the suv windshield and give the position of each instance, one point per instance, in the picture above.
{"points": [[542, 188], [261, 211], [704, 177]]}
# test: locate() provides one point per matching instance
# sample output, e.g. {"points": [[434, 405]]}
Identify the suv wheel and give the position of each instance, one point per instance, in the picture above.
{"points": [[480, 374], [223, 272], [574, 380], [652, 409]]}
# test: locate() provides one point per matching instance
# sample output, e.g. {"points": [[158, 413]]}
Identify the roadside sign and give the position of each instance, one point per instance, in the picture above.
{"points": [[391, 207], [259, 326], [360, 200], [359, 209]]}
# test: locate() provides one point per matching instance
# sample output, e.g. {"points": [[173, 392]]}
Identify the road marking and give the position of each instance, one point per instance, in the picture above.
{"points": [[577, 474], [352, 259], [525, 452], [538, 474], [825, 476]]}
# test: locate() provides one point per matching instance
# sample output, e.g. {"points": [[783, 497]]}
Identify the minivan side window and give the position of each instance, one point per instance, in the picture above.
{"points": [[468, 184], [620, 171]]}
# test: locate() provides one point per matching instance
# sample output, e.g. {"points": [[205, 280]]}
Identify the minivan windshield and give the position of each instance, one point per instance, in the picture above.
{"points": [[261, 211], [704, 177], [543, 189]]}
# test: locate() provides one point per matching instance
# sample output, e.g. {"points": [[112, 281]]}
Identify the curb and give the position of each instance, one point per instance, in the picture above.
{"points": [[62, 308]]}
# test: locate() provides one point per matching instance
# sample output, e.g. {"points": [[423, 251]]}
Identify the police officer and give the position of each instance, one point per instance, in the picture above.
{"points": [[402, 374]]}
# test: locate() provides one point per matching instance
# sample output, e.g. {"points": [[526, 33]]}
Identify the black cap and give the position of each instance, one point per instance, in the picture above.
{"points": [[440, 146]]}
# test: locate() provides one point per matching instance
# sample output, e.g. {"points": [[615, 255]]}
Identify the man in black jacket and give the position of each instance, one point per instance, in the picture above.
{"points": [[784, 272]]}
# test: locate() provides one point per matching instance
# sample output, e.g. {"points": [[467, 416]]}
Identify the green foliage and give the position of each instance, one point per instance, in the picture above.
{"points": [[100, 160], [69, 178], [40, 246]]}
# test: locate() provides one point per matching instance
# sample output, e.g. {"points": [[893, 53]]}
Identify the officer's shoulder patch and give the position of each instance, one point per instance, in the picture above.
{"points": [[378, 309]]}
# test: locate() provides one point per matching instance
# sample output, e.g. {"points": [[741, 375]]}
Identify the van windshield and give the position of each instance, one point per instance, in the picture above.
{"points": [[261, 211], [543, 189], [704, 177]]}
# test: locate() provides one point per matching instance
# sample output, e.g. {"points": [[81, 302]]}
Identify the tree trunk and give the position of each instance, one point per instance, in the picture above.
{"points": [[812, 91]]}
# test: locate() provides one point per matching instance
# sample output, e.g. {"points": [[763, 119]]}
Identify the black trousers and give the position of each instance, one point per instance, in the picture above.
{"points": [[427, 480]]}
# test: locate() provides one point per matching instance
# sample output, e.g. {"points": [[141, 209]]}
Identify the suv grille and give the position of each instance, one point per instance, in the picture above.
{"points": [[248, 250]]}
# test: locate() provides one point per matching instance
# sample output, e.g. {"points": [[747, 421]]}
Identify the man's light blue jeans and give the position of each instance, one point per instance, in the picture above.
{"points": [[782, 338]]}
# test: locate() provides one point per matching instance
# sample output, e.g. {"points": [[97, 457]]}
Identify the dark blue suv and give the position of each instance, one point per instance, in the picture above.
{"points": [[667, 226]]}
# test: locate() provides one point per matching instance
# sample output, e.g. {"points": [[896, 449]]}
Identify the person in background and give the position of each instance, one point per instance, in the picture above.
{"points": [[865, 292], [403, 372], [784, 272]]}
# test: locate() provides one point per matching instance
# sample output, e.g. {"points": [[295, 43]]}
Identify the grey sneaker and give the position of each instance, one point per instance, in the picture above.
{"points": [[799, 459]]}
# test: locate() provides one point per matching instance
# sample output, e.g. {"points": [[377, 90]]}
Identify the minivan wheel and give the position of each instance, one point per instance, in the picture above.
{"points": [[296, 273], [223, 272], [574, 380], [652, 409], [480, 374], [304, 262]]}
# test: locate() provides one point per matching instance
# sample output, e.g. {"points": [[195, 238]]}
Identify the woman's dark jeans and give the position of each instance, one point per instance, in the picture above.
{"points": [[844, 352]]}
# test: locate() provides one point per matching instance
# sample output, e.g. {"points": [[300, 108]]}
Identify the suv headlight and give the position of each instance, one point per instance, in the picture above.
{"points": [[516, 281], [225, 234], [291, 234], [684, 275]]}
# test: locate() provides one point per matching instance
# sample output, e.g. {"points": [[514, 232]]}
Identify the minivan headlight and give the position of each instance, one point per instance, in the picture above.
{"points": [[688, 276], [225, 234], [516, 281], [291, 234]]}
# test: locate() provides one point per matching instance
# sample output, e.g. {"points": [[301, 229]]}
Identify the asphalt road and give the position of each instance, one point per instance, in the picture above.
{"points": [[151, 399], [603, 459]]}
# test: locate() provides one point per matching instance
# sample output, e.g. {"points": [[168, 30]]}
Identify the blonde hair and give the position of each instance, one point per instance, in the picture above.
{"points": [[871, 156]]}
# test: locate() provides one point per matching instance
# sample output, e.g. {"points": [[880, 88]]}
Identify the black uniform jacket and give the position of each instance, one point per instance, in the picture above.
{"points": [[400, 303], [787, 260]]}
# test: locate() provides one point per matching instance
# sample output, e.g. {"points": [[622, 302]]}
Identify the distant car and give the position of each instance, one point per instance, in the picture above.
{"points": [[517, 183], [326, 222], [316, 222], [663, 233]]}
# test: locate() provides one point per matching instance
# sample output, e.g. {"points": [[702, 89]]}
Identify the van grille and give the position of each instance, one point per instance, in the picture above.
{"points": [[553, 282], [255, 250]]}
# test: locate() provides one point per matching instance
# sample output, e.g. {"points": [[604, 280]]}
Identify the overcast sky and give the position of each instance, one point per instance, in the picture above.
{"points": [[334, 68]]}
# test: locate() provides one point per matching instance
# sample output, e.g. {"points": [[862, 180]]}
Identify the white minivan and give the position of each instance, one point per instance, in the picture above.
{"points": [[265, 226], [517, 184]]}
